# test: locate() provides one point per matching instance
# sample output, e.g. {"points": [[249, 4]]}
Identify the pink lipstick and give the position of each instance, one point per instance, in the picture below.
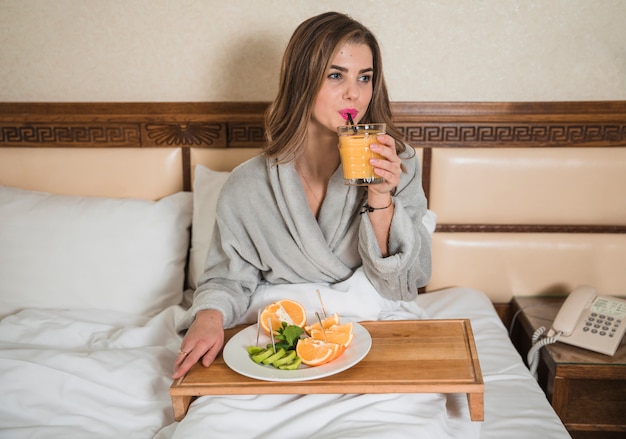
{"points": [[348, 111]]}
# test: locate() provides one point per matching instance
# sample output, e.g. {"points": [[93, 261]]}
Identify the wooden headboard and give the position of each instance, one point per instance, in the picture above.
{"points": [[530, 197]]}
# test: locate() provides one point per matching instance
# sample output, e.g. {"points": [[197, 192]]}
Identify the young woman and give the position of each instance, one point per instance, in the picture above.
{"points": [[288, 217]]}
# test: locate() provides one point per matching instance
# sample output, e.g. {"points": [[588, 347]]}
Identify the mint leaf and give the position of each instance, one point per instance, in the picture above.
{"points": [[288, 336], [292, 333]]}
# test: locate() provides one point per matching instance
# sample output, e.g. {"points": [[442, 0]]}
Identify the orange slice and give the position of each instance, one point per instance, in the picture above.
{"points": [[327, 323], [345, 327], [341, 338], [282, 311], [340, 334], [317, 352]]}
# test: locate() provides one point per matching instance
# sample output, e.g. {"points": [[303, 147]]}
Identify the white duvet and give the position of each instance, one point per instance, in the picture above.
{"points": [[97, 374]]}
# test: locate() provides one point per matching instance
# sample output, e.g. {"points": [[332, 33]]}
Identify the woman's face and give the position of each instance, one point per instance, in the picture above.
{"points": [[347, 88]]}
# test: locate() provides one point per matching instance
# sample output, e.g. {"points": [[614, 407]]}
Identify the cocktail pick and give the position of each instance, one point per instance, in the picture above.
{"points": [[258, 326], [319, 296], [321, 326], [269, 323]]}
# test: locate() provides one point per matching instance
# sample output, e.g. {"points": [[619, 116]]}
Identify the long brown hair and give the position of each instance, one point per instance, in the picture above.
{"points": [[305, 63]]}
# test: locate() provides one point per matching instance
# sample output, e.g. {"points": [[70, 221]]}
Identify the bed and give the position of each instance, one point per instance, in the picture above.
{"points": [[105, 217]]}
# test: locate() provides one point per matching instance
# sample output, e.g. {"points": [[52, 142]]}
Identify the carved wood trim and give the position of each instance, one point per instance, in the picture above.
{"points": [[540, 134], [184, 134], [201, 125], [530, 228], [511, 124], [69, 134], [240, 124]]}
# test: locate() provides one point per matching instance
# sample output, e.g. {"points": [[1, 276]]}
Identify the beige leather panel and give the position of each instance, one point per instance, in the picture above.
{"points": [[148, 173], [529, 186], [221, 159], [503, 265]]}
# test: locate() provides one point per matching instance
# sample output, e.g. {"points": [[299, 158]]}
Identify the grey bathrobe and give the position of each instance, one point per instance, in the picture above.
{"points": [[266, 233]]}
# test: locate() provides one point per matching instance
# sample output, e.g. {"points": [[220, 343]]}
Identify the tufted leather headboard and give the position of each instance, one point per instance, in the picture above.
{"points": [[530, 197]]}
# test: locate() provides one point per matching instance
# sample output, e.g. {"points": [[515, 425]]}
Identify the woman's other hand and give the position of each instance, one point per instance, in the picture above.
{"points": [[203, 341]]}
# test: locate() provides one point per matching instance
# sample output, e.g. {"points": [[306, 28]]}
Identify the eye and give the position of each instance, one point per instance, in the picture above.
{"points": [[365, 78], [334, 75]]}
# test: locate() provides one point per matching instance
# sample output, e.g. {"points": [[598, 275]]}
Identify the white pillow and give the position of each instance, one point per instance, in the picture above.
{"points": [[207, 185], [70, 252]]}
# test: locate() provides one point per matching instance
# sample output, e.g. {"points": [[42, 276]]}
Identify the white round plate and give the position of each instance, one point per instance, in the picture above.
{"points": [[237, 358]]}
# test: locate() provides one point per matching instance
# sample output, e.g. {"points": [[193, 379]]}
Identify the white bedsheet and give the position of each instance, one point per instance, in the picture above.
{"points": [[107, 375], [74, 374]]}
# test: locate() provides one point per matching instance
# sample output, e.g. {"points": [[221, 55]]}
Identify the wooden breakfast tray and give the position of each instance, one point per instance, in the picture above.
{"points": [[407, 356]]}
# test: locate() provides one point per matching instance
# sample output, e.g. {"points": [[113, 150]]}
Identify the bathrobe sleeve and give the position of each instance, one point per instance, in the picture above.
{"points": [[408, 266]]}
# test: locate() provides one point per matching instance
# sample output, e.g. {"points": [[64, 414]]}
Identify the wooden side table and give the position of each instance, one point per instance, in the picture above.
{"points": [[586, 389]]}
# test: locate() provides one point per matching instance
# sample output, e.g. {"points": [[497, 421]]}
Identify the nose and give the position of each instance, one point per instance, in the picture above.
{"points": [[351, 92]]}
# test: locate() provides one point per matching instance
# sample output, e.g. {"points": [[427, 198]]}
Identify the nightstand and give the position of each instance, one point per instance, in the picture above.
{"points": [[586, 389]]}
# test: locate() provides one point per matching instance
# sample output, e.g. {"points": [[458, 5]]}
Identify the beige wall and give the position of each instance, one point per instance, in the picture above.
{"points": [[229, 50]]}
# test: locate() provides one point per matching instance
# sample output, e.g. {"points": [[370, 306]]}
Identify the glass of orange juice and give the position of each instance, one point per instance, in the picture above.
{"points": [[354, 147]]}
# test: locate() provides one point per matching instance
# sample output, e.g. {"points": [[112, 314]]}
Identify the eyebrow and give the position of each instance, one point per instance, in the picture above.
{"points": [[343, 69]]}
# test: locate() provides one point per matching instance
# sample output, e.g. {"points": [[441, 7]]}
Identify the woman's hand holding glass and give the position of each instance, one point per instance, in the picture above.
{"points": [[389, 168]]}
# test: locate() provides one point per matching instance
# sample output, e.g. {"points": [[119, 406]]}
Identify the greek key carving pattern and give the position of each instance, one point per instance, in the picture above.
{"points": [[79, 134], [187, 134], [514, 134], [252, 134], [246, 135]]}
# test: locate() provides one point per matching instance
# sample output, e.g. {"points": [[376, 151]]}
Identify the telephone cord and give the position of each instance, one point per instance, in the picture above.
{"points": [[533, 353]]}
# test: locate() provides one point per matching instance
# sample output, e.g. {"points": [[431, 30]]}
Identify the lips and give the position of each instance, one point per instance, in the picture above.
{"points": [[351, 111]]}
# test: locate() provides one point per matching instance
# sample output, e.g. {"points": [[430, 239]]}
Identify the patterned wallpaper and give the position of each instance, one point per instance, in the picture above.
{"points": [[216, 50]]}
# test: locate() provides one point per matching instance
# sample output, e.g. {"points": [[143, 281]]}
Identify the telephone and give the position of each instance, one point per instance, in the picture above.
{"points": [[590, 321], [585, 320]]}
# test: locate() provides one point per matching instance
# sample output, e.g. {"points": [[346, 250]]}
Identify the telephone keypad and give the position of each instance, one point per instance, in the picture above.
{"points": [[601, 324]]}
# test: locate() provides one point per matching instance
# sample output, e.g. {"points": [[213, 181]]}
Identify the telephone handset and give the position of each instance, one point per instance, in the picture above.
{"points": [[571, 311], [585, 320], [590, 321]]}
